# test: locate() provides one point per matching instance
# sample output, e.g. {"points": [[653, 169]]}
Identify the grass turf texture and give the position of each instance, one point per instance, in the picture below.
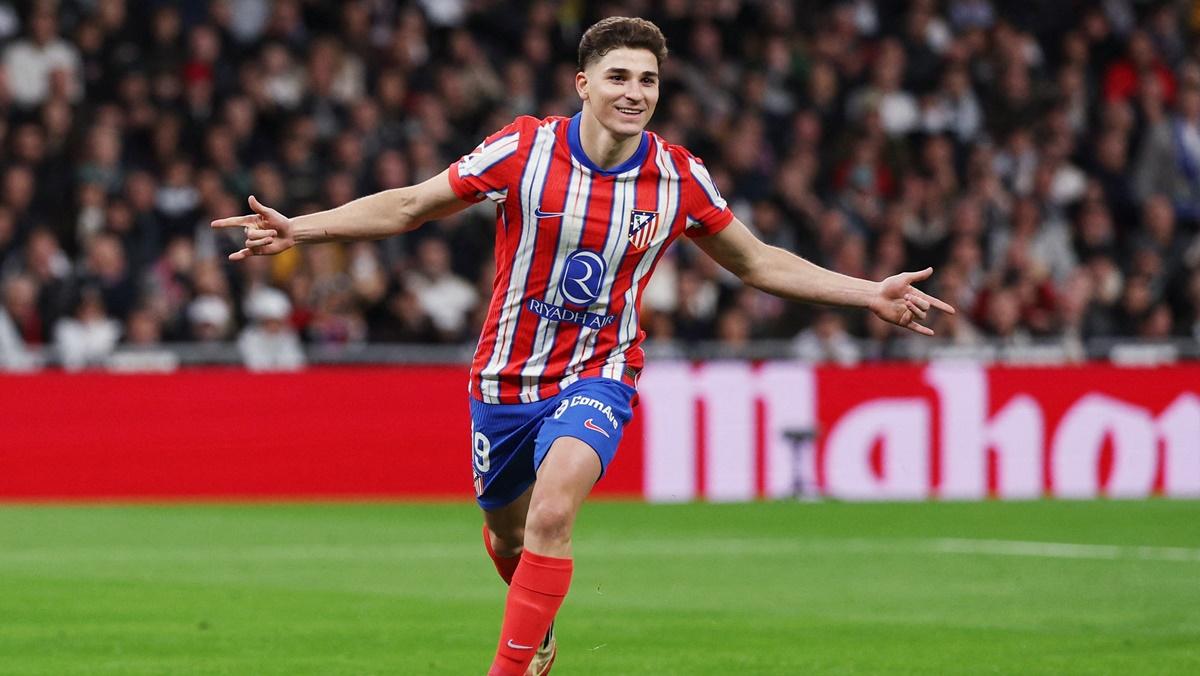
{"points": [[773, 588]]}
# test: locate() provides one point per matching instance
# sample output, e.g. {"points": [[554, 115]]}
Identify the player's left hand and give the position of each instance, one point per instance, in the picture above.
{"points": [[899, 302]]}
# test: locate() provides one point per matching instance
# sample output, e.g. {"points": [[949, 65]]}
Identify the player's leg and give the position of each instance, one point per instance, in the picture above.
{"points": [[503, 442], [504, 458], [574, 447], [565, 478], [504, 538], [540, 583], [504, 534]]}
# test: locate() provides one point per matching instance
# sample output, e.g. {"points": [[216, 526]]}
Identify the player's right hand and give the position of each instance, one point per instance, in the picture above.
{"points": [[268, 232]]}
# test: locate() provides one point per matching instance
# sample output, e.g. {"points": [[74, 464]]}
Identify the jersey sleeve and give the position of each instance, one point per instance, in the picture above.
{"points": [[707, 211], [489, 169]]}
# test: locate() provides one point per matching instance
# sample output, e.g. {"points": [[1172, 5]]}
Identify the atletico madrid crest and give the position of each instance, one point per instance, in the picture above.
{"points": [[643, 225]]}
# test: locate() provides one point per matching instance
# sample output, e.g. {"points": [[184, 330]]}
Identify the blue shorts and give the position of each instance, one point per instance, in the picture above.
{"points": [[510, 441]]}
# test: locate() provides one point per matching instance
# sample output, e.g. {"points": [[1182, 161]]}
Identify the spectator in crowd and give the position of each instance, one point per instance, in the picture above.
{"points": [[897, 108], [827, 340], [1169, 160], [402, 319], [1125, 76], [18, 316], [88, 336], [447, 298], [143, 329], [209, 318], [42, 62], [270, 344]]}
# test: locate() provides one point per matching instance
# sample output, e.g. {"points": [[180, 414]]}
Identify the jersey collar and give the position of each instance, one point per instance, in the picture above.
{"points": [[576, 146]]}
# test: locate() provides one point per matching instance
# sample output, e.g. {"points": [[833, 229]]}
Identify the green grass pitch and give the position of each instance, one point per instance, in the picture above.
{"points": [[768, 588]]}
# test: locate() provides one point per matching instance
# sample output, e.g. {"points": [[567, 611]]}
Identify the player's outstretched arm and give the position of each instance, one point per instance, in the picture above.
{"points": [[787, 275], [383, 214]]}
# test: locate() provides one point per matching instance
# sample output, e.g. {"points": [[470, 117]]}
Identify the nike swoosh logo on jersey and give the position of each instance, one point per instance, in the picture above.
{"points": [[594, 427], [518, 646], [538, 213]]}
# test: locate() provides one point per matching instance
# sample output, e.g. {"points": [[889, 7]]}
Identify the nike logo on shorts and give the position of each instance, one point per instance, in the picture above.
{"points": [[518, 646], [538, 213], [594, 427]]}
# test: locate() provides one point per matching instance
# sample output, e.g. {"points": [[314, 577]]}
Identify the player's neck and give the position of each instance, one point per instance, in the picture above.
{"points": [[603, 148]]}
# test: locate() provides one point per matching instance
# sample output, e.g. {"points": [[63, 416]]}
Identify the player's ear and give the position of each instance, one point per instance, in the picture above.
{"points": [[581, 84]]}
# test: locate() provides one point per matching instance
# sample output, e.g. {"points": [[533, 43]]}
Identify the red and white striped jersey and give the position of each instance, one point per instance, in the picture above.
{"points": [[575, 247]]}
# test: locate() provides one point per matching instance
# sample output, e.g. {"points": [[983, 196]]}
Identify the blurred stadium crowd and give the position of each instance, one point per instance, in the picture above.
{"points": [[1044, 157]]}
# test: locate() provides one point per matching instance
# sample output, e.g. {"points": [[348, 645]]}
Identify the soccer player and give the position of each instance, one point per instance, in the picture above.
{"points": [[585, 208]]}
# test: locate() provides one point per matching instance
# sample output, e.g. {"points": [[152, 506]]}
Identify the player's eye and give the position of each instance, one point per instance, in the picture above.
{"points": [[616, 78], [649, 81]]}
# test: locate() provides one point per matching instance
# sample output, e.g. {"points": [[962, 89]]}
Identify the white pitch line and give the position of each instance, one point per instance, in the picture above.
{"points": [[1062, 550]]}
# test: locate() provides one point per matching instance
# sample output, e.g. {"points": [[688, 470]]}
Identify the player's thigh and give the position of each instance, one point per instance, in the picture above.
{"points": [[574, 448], [567, 475], [565, 478]]}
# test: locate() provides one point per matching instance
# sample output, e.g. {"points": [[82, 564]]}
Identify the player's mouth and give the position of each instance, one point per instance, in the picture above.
{"points": [[630, 112]]}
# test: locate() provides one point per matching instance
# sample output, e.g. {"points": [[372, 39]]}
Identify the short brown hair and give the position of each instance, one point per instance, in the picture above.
{"points": [[621, 31]]}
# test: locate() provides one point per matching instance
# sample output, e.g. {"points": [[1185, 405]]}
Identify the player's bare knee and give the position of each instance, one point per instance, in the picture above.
{"points": [[551, 521]]}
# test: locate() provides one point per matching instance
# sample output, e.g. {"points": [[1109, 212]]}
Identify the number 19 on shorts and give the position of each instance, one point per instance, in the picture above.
{"points": [[482, 451]]}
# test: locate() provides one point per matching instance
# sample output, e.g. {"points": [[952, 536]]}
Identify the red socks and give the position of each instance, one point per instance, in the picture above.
{"points": [[534, 596], [505, 565]]}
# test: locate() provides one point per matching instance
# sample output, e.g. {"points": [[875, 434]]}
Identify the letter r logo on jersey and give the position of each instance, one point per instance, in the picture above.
{"points": [[583, 277]]}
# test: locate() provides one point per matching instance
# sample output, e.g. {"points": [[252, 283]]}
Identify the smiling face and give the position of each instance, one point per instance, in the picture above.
{"points": [[620, 90]]}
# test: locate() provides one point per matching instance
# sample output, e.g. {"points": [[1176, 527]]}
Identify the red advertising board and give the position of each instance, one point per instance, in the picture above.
{"points": [[378, 432]]}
